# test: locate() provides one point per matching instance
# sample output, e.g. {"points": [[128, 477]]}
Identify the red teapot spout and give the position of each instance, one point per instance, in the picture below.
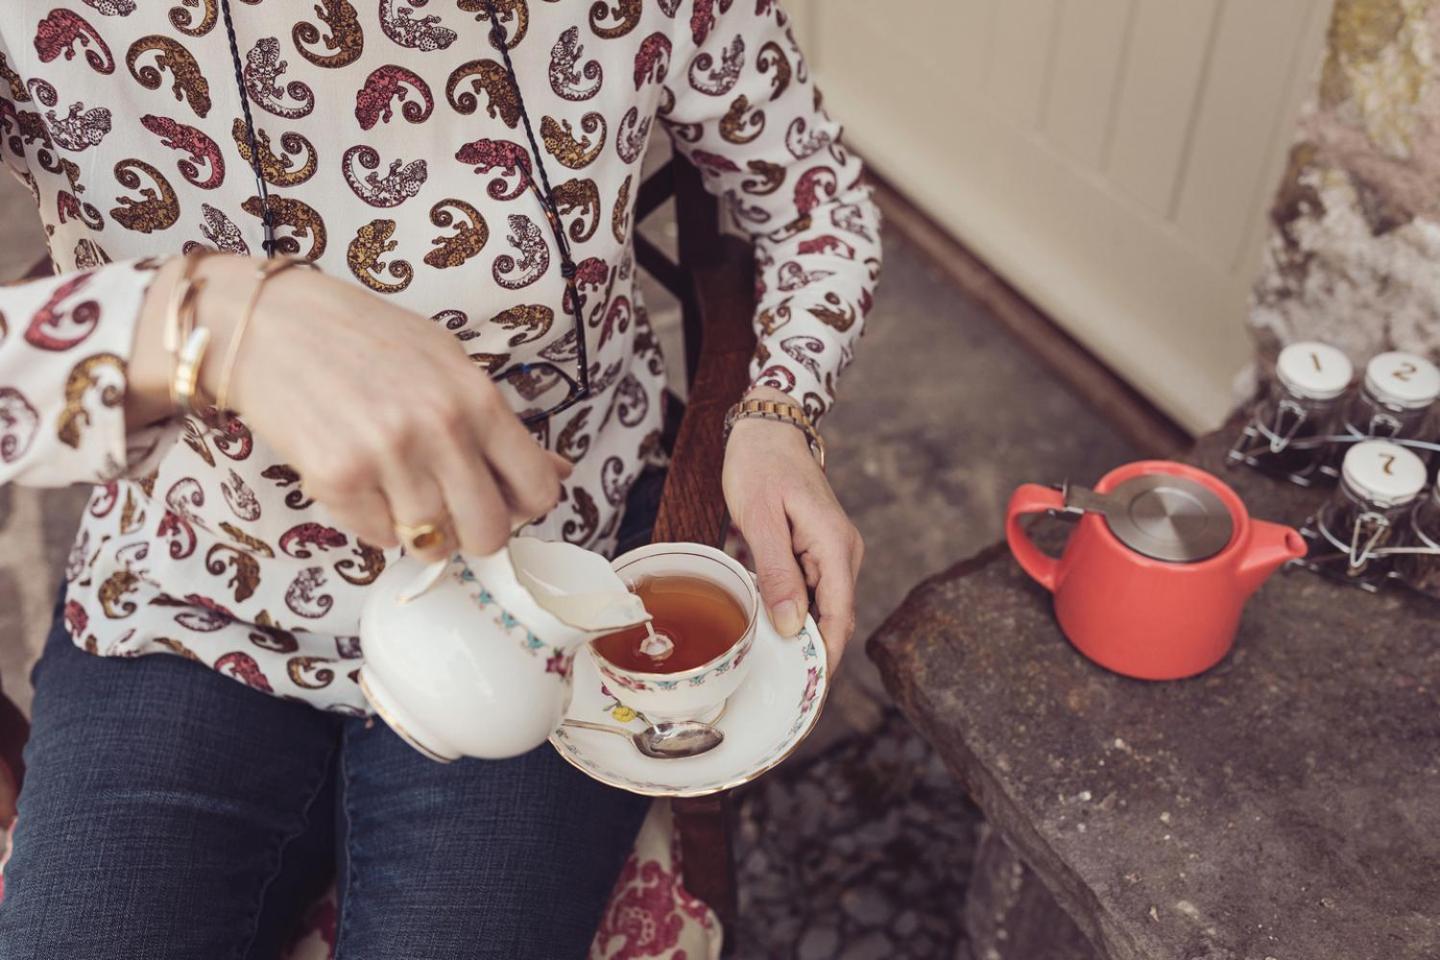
{"points": [[1271, 546]]}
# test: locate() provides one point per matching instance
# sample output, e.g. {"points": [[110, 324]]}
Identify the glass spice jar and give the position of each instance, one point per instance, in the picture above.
{"points": [[1393, 402], [1421, 569], [1300, 407], [1369, 512]]}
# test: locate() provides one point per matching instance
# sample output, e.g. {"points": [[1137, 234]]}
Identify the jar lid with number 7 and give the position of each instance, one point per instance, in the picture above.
{"points": [[1403, 380], [1383, 473]]}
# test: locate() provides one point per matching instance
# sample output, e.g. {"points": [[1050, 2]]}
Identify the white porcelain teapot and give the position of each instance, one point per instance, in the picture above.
{"points": [[472, 656]]}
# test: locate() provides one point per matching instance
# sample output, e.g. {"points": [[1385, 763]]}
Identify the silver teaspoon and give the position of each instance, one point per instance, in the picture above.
{"points": [[664, 741]]}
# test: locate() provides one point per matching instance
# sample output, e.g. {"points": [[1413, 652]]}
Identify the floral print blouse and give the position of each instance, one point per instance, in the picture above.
{"points": [[392, 146]]}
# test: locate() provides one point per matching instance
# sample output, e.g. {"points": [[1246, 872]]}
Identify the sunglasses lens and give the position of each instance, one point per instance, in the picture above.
{"points": [[564, 350], [537, 389]]}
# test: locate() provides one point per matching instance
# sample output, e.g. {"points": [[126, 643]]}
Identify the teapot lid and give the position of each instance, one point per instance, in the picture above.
{"points": [[1168, 517]]}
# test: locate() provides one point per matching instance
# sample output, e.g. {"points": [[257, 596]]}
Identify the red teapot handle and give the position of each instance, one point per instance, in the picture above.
{"points": [[1027, 499]]}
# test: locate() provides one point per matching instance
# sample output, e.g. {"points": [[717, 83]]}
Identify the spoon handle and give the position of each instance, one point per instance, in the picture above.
{"points": [[651, 724], [587, 725]]}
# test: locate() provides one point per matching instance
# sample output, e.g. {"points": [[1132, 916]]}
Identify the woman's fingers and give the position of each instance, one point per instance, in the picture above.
{"points": [[782, 588], [835, 596], [833, 552], [396, 428], [418, 508], [563, 467], [528, 474], [367, 516], [343, 479], [478, 514]]}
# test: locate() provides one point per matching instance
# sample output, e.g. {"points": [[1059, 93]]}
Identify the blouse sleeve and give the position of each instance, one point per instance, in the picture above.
{"points": [[64, 344], [743, 109]]}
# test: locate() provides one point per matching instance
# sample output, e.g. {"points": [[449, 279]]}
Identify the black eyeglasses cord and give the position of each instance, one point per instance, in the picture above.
{"points": [[568, 270]]}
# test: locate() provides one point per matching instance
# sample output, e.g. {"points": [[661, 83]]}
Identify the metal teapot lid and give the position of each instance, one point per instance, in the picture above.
{"points": [[1160, 515]]}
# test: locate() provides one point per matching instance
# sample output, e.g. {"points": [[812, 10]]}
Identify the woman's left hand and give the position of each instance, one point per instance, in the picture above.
{"points": [[797, 531]]}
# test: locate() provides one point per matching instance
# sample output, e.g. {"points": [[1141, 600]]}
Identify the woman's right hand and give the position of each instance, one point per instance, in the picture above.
{"points": [[381, 412]]}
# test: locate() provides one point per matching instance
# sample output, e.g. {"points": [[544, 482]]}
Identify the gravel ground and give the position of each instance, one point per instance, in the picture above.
{"points": [[859, 853]]}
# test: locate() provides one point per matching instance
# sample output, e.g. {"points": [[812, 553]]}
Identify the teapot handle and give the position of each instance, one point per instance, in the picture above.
{"points": [[1027, 499]]}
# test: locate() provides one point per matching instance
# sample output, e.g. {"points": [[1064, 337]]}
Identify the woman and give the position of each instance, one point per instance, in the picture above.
{"points": [[470, 354]]}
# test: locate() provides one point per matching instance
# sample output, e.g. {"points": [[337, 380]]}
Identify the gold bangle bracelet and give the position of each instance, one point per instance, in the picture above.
{"points": [[791, 413], [175, 335], [179, 318], [187, 368], [182, 397], [267, 270]]}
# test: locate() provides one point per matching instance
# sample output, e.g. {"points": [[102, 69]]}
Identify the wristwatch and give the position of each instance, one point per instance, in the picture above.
{"points": [[791, 413]]}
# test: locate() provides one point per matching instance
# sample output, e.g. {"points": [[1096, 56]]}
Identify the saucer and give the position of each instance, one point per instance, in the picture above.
{"points": [[764, 721]]}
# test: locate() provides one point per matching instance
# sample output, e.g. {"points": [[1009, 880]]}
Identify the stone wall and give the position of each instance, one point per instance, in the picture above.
{"points": [[1353, 256]]}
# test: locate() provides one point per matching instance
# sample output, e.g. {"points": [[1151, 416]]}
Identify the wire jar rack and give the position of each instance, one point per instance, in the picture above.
{"points": [[1375, 442]]}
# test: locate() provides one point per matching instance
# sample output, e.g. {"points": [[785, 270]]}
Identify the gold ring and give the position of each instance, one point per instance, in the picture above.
{"points": [[422, 536]]}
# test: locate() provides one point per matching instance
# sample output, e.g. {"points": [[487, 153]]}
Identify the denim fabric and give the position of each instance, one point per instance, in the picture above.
{"points": [[170, 812], [506, 859]]}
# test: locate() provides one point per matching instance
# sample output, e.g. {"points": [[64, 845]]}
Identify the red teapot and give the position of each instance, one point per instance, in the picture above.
{"points": [[1153, 578]]}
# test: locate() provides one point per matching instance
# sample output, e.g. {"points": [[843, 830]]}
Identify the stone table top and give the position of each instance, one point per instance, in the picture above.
{"points": [[1283, 806]]}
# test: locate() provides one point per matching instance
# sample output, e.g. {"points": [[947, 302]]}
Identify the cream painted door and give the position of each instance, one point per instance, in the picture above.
{"points": [[1112, 158]]}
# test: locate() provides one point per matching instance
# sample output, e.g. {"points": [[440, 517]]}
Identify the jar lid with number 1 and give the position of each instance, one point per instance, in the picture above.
{"points": [[1383, 473], [1314, 371], [1403, 380]]}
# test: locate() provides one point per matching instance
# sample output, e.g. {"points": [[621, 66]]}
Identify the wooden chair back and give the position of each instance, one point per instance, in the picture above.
{"points": [[714, 280]]}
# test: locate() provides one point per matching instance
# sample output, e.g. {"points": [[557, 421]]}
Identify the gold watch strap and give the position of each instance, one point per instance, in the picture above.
{"points": [[791, 413]]}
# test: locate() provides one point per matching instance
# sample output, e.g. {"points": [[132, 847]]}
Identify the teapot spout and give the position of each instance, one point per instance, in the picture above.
{"points": [[1271, 545]]}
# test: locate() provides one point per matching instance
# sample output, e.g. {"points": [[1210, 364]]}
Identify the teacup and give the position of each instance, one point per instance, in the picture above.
{"points": [[700, 692]]}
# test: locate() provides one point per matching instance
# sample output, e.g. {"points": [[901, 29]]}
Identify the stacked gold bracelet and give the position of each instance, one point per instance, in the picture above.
{"points": [[184, 340], [791, 413]]}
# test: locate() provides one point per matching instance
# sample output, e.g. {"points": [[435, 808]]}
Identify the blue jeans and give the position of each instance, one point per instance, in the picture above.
{"points": [[170, 812]]}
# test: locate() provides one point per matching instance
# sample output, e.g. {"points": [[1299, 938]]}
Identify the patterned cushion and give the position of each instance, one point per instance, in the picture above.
{"points": [[650, 914]]}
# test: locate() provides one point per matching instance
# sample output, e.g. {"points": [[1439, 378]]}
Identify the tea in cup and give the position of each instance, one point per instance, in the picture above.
{"points": [[695, 651]]}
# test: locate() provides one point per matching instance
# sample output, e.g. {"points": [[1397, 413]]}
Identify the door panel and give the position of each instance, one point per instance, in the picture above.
{"points": [[1090, 46], [1112, 158]]}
